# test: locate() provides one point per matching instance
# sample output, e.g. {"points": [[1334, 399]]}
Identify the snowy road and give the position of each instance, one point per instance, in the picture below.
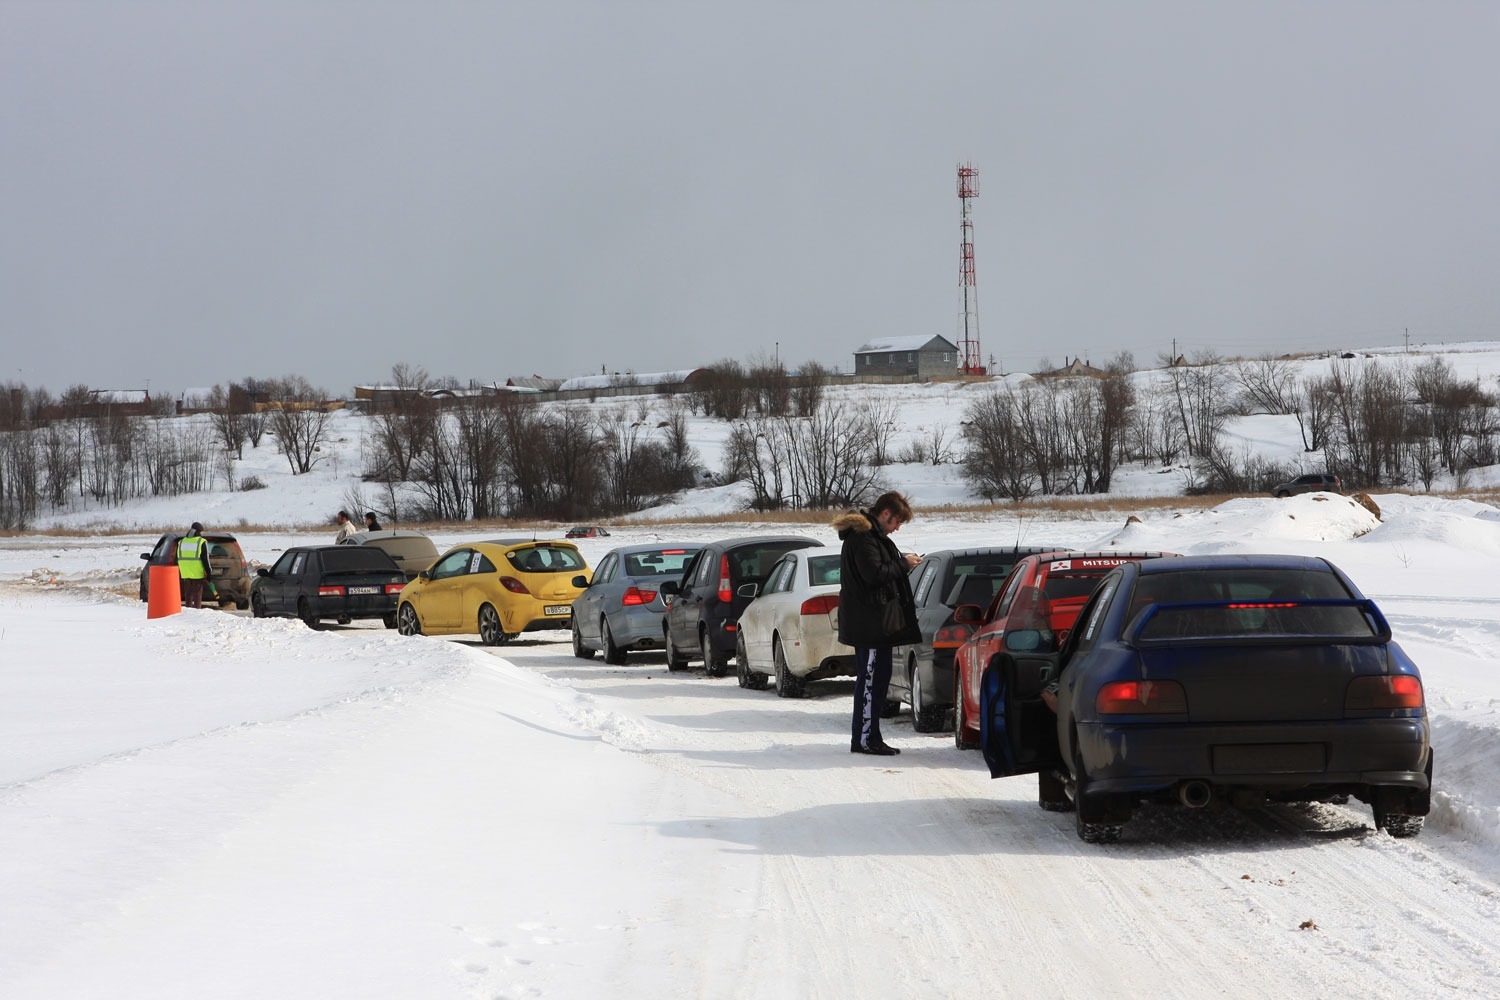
{"points": [[921, 870]]}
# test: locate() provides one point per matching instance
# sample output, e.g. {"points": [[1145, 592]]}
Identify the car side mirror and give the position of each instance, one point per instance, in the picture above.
{"points": [[671, 588], [424, 575], [145, 555], [580, 581], [263, 571], [1023, 640], [749, 590], [968, 614]]}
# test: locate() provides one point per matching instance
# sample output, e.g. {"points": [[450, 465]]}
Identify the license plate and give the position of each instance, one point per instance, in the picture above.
{"points": [[365, 590], [558, 609]]}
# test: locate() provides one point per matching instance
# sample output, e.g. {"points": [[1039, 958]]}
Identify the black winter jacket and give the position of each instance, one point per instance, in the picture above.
{"points": [[875, 602]]}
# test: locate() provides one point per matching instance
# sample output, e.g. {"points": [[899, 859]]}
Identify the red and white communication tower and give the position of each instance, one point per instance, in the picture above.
{"points": [[968, 341]]}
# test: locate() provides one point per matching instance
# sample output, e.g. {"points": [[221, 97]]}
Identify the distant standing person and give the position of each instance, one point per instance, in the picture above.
{"points": [[192, 565], [346, 526], [876, 609], [371, 522]]}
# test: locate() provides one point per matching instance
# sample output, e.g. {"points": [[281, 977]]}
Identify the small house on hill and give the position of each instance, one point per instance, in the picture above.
{"points": [[925, 357], [1073, 368]]}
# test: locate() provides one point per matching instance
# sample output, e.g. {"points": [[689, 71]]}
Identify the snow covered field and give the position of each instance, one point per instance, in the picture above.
{"points": [[211, 805]]}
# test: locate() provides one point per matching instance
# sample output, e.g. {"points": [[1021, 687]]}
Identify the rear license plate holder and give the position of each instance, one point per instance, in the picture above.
{"points": [[1270, 758], [558, 609], [363, 591]]}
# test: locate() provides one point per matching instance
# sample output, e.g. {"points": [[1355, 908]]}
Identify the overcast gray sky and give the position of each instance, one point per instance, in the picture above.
{"points": [[198, 192]]}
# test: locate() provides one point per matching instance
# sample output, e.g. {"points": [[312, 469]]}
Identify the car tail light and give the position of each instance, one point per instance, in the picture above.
{"points": [[951, 636], [726, 591], [821, 605], [330, 591], [1394, 691], [394, 588], [1243, 605], [513, 585], [635, 595], [1141, 698]]}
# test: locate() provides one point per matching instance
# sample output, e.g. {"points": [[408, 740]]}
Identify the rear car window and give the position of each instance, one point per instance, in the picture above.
{"points": [[666, 562], [753, 562], [348, 558], [1257, 601], [1071, 584], [407, 548], [546, 559]]}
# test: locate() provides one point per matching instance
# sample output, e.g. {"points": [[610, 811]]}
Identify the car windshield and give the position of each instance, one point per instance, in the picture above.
{"points": [[347, 558], [546, 559], [661, 562]]}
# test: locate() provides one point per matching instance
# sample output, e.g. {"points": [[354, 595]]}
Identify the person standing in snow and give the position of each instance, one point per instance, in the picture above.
{"points": [[346, 527], [192, 565], [876, 609]]}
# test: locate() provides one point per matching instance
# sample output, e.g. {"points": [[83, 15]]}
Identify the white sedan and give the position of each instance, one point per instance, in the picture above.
{"points": [[790, 630]]}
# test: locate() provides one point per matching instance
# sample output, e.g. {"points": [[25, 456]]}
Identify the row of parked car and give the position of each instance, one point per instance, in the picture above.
{"points": [[1117, 677]]}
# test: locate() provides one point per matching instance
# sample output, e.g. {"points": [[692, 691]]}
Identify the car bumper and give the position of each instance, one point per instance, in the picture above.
{"points": [[640, 630], [1144, 757], [374, 606], [817, 657]]}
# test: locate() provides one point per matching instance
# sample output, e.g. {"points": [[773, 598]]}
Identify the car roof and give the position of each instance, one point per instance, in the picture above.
{"points": [[1237, 561], [626, 550], [738, 540], [366, 536]]}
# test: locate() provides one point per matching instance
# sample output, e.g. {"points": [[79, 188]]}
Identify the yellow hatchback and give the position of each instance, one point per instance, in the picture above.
{"points": [[498, 589]]}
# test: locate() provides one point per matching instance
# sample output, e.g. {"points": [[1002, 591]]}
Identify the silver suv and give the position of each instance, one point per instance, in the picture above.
{"points": [[1311, 483]]}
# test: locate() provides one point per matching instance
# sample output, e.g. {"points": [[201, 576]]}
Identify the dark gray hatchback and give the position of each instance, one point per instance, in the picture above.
{"points": [[701, 622], [342, 582]]}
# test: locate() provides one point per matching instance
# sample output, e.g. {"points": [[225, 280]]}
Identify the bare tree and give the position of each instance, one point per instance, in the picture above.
{"points": [[298, 421]]}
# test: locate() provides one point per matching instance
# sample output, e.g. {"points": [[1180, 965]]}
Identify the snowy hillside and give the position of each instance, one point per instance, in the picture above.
{"points": [[923, 411]]}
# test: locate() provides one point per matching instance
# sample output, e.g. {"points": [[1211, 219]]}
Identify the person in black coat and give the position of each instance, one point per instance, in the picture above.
{"points": [[876, 609]]}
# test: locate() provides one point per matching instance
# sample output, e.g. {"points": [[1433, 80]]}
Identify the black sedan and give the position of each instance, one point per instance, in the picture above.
{"points": [[1239, 679], [318, 582], [923, 673]]}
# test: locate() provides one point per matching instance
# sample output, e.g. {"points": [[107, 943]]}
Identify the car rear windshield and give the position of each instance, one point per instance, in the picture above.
{"points": [[351, 558], [663, 562], [546, 559], [407, 548], [1073, 583], [1255, 601], [753, 562], [974, 580]]}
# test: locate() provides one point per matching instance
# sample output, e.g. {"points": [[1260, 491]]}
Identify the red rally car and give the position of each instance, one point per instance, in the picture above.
{"points": [[1044, 592]]}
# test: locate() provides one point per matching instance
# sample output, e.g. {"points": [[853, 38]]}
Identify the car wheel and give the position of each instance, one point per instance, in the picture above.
{"points": [[613, 655], [1398, 825], [752, 680], [714, 662], [1052, 792], [257, 606], [1092, 829], [580, 649], [407, 622], [960, 724], [242, 605], [675, 660], [924, 718], [788, 684], [389, 621], [304, 611], [491, 632]]}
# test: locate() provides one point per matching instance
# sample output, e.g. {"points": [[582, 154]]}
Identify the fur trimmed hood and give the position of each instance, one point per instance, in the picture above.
{"points": [[854, 522]]}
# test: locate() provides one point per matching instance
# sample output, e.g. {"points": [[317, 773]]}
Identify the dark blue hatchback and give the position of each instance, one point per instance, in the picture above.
{"points": [[1239, 679]]}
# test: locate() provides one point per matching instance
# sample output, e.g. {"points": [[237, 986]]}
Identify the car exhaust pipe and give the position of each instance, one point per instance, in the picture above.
{"points": [[1195, 794]]}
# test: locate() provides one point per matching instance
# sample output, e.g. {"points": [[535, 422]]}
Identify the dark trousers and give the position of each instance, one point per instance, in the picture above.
{"points": [[870, 686], [192, 593]]}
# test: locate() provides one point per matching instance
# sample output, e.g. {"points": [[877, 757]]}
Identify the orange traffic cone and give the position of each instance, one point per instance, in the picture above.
{"points": [[163, 592]]}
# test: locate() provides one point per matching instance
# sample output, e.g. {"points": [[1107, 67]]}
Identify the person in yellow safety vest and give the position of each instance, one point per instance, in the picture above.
{"points": [[192, 565]]}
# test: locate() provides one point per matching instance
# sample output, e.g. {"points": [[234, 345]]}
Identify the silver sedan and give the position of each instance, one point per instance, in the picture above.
{"points": [[620, 609]]}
